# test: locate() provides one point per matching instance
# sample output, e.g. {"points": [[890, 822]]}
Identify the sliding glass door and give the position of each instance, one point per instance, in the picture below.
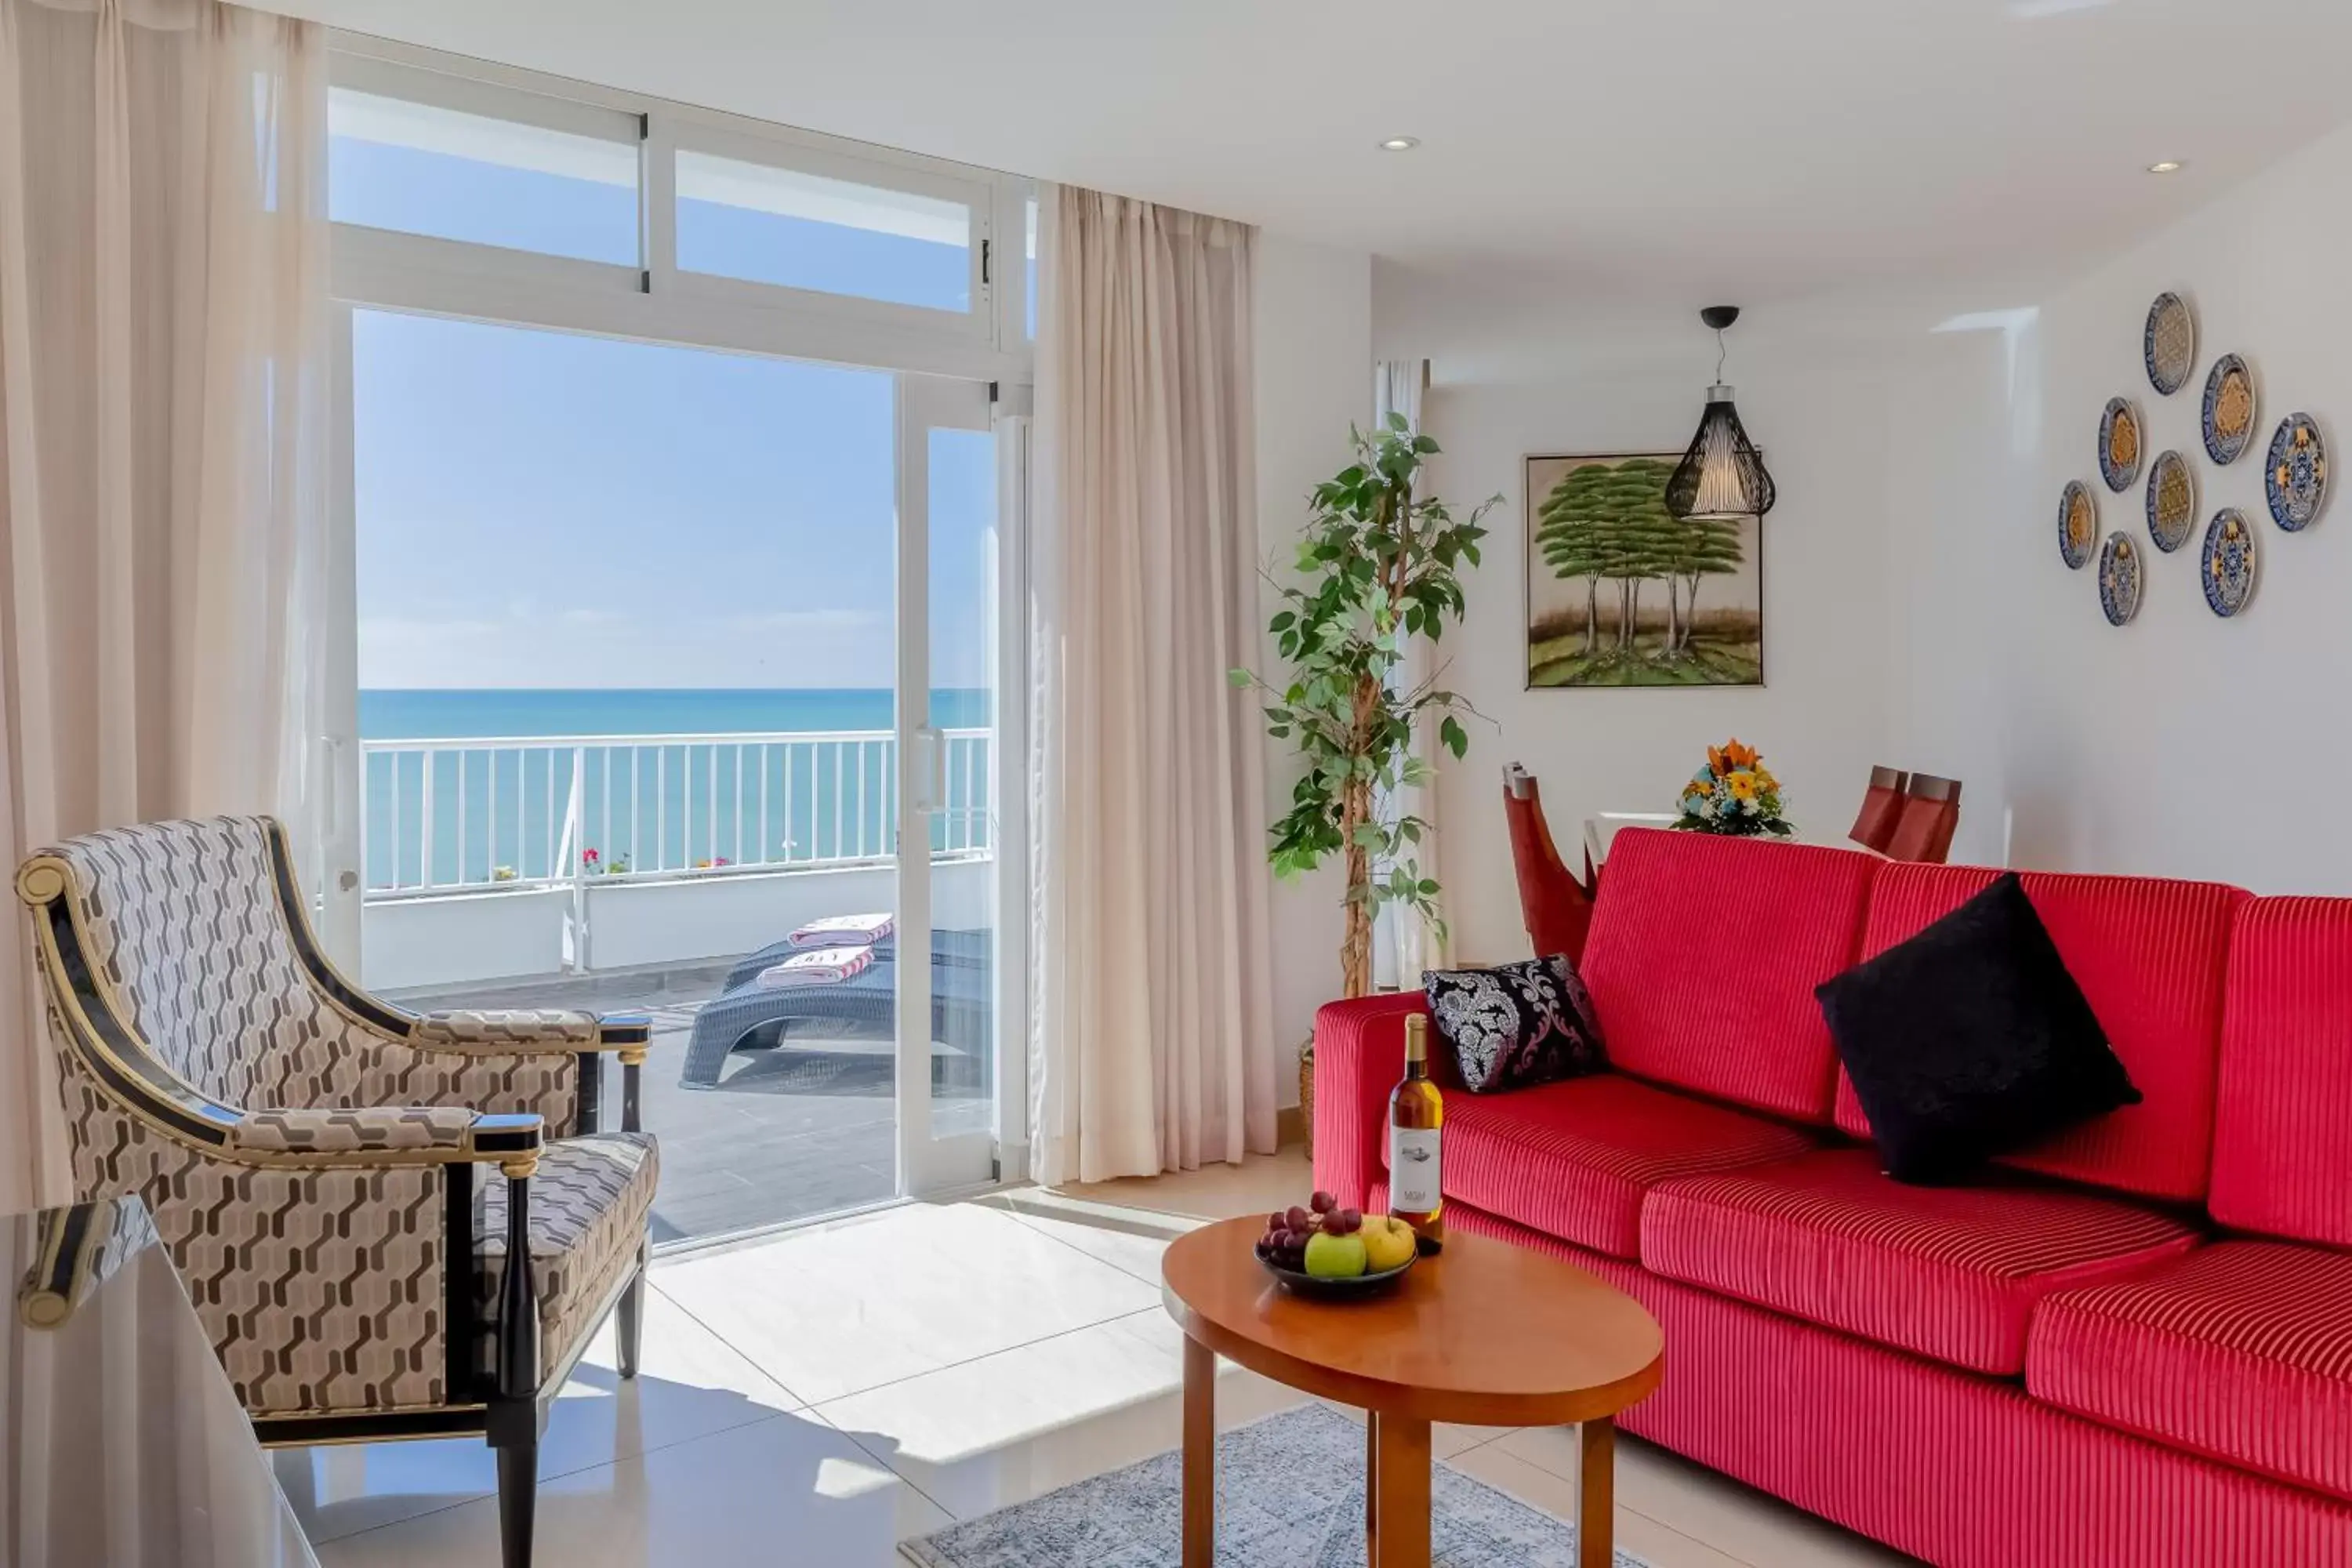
{"points": [[950, 1012]]}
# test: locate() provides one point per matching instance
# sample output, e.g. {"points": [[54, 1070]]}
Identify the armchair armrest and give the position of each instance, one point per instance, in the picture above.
{"points": [[492, 1032], [1358, 1058], [382, 1134], [506, 1031]]}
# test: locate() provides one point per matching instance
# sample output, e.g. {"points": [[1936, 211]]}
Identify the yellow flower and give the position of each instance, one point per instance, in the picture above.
{"points": [[1742, 786]]}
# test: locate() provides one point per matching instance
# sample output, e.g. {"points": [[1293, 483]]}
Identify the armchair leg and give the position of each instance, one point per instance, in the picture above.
{"points": [[632, 1318], [517, 1500]]}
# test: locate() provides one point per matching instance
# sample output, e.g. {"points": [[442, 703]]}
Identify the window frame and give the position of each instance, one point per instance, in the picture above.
{"points": [[657, 300]]}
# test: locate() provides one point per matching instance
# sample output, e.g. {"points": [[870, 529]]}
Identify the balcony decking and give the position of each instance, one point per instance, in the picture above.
{"points": [[802, 1129]]}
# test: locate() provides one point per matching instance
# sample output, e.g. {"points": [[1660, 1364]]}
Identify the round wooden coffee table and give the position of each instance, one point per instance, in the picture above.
{"points": [[1485, 1334]]}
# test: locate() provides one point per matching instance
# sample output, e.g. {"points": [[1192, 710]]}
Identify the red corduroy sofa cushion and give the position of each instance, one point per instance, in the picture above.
{"points": [[1702, 957], [1949, 1272], [1575, 1158], [2241, 1351], [2283, 1132], [2150, 955]]}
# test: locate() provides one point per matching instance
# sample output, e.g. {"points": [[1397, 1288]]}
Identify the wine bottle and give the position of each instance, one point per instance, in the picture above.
{"points": [[1416, 1112]]}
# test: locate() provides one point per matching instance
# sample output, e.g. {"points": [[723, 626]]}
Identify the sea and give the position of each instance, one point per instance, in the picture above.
{"points": [[387, 715], [522, 812]]}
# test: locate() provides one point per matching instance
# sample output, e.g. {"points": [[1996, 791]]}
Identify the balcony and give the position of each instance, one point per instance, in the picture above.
{"points": [[626, 873]]}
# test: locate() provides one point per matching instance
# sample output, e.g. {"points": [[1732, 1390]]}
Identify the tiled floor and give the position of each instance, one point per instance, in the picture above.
{"points": [[819, 1396]]}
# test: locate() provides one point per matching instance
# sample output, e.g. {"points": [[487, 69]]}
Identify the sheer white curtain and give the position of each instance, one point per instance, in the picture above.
{"points": [[1405, 945], [1153, 1044], [162, 442]]}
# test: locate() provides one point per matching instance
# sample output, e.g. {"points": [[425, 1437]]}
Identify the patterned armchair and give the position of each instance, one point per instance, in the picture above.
{"points": [[314, 1158]]}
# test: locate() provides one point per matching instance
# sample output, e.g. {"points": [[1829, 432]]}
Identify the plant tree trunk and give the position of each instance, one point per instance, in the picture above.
{"points": [[1592, 615], [1355, 810]]}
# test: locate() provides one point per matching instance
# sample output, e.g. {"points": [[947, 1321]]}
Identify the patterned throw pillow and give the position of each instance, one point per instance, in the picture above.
{"points": [[1517, 1026]]}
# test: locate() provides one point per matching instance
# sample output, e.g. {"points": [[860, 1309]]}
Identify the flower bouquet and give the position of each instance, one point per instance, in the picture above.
{"points": [[1734, 794]]}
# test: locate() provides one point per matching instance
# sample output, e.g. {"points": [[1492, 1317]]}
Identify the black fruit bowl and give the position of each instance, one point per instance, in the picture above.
{"points": [[1356, 1288]]}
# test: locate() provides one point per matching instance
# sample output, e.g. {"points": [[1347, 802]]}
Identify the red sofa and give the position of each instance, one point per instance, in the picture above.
{"points": [[2131, 1347]]}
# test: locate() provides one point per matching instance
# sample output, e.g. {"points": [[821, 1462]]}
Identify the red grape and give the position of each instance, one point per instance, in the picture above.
{"points": [[1351, 1221], [1323, 1203], [1297, 1218]]}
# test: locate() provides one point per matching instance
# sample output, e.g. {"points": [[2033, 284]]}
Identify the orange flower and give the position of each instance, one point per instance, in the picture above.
{"points": [[1731, 757]]}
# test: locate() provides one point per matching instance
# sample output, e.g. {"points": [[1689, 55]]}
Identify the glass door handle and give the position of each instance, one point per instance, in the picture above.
{"points": [[931, 746]]}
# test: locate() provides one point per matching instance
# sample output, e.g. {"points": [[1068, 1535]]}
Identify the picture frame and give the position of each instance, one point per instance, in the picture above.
{"points": [[1595, 548]]}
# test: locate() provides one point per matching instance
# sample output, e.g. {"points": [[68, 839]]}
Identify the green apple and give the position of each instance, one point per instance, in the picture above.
{"points": [[1334, 1257]]}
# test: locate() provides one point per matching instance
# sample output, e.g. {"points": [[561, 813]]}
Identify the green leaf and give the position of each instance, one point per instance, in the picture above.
{"points": [[1398, 422], [1239, 677], [1453, 737]]}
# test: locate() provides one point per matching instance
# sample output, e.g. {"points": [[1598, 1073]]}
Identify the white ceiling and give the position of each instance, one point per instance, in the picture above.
{"points": [[1640, 149]]}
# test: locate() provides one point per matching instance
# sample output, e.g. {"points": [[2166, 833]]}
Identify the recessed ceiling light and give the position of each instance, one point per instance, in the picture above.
{"points": [[2169, 166], [1400, 143]]}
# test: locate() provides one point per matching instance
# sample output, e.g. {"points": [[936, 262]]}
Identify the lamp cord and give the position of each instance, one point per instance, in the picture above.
{"points": [[1720, 353]]}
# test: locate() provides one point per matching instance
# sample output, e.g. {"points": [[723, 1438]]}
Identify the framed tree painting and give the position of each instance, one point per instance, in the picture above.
{"points": [[1622, 593]]}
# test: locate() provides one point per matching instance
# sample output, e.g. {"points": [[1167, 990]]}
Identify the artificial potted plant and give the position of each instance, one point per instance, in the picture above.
{"points": [[1375, 568]]}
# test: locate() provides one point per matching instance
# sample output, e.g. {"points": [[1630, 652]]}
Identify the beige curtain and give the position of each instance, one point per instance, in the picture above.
{"points": [[1153, 1044], [163, 441], [1403, 944]]}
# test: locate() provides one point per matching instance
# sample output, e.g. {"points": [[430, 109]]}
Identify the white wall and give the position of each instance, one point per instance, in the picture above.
{"points": [[1916, 613], [1512, 377], [518, 934], [2183, 743], [1314, 369]]}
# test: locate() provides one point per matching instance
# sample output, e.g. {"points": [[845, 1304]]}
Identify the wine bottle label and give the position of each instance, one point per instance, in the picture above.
{"points": [[1413, 1169]]}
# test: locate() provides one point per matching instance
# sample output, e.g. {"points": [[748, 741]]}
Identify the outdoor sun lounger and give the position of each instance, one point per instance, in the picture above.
{"points": [[745, 1014]]}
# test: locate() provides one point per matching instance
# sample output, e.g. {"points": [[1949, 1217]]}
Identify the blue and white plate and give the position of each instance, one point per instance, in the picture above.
{"points": [[2231, 403], [2078, 525], [2228, 561], [2295, 483], [2169, 347], [2171, 501], [2119, 578], [2119, 444]]}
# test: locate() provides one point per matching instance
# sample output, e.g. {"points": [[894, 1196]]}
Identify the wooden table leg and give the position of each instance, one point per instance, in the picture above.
{"points": [[1373, 1489], [1596, 1497], [1200, 1455], [1400, 1472]]}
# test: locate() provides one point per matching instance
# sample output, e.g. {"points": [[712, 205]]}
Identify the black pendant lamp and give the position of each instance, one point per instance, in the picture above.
{"points": [[1722, 475]]}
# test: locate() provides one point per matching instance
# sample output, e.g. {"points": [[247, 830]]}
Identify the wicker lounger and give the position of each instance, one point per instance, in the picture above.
{"points": [[742, 1010]]}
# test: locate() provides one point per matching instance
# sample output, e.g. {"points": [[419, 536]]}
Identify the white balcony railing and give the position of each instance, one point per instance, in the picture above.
{"points": [[445, 815]]}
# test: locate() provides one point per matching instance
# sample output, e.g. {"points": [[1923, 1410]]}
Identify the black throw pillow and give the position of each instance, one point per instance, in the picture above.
{"points": [[1516, 1026], [1970, 1040]]}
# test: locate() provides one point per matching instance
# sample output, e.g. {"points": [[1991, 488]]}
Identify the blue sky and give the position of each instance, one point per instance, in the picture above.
{"points": [[537, 508]]}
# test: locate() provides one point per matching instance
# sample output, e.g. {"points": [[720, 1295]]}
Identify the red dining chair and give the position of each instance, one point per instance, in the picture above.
{"points": [[1931, 814], [1882, 807], [1558, 907]]}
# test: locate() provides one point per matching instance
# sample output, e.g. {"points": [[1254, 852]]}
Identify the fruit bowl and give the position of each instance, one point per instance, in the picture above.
{"points": [[1349, 1288], [1334, 1254]]}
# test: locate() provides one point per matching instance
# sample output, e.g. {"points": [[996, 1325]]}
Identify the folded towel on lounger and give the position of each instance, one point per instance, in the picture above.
{"points": [[844, 930], [818, 966]]}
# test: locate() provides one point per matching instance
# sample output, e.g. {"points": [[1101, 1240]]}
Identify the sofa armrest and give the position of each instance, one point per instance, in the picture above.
{"points": [[1358, 1058]]}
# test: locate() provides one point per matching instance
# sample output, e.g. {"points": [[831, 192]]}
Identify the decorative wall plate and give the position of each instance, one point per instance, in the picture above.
{"points": [[2228, 561], [2295, 483], [2228, 414], [2171, 501], [2078, 525], [2169, 347], [2119, 578], [2119, 444]]}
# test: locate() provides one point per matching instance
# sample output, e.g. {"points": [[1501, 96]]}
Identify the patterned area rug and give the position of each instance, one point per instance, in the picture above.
{"points": [[1290, 1494]]}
